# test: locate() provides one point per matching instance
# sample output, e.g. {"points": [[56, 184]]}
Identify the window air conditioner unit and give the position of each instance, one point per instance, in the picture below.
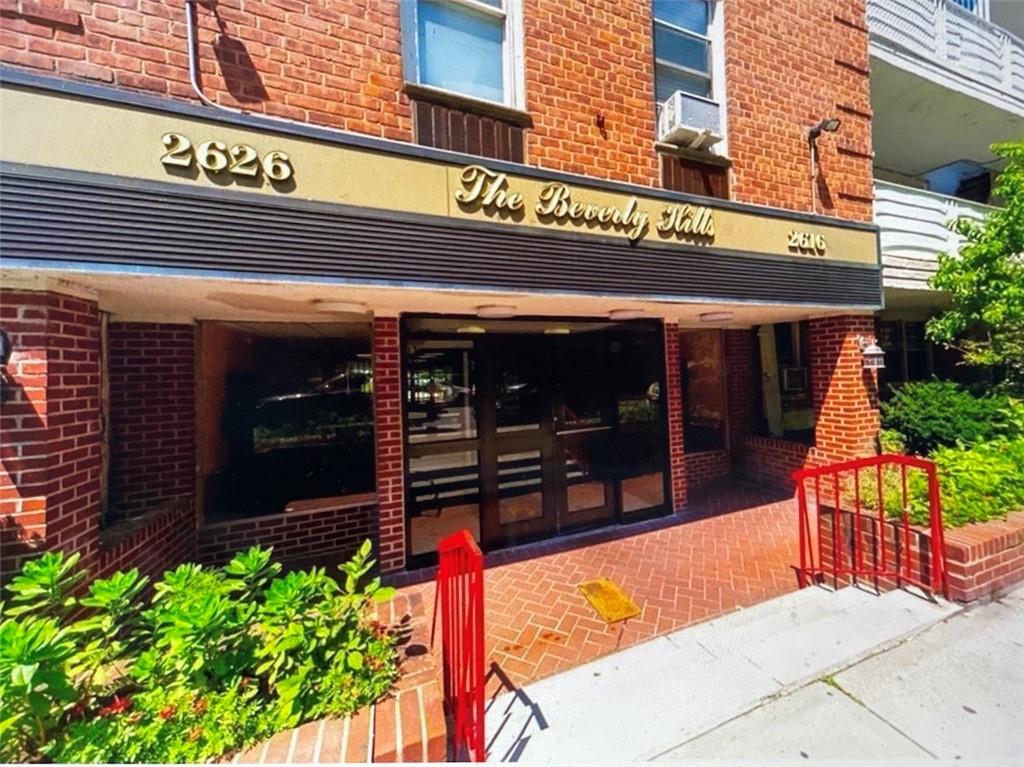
{"points": [[690, 121], [794, 379]]}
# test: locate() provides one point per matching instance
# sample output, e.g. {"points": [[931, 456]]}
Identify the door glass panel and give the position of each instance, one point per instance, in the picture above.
{"points": [[703, 390], [587, 470], [444, 497], [643, 492], [520, 495], [519, 392], [582, 386], [440, 391]]}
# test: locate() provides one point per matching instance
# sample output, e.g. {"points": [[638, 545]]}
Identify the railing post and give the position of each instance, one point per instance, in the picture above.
{"points": [[802, 523]]}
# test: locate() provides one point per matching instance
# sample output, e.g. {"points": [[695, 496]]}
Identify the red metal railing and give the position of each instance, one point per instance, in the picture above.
{"points": [[460, 598], [855, 535]]}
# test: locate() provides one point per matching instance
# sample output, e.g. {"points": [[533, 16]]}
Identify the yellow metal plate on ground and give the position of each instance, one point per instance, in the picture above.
{"points": [[610, 602]]}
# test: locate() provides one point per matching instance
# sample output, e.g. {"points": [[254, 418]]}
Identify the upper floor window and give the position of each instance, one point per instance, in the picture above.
{"points": [[466, 47], [682, 48]]}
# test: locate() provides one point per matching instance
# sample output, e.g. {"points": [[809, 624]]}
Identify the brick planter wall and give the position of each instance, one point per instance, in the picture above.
{"points": [[706, 466], [772, 461], [157, 541], [330, 532], [982, 560]]}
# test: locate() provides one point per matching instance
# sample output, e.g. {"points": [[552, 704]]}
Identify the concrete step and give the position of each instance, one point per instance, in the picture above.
{"points": [[646, 700]]}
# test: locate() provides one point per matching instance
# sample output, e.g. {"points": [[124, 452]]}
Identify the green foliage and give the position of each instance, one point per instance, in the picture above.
{"points": [[985, 280], [932, 414], [217, 659], [980, 483]]}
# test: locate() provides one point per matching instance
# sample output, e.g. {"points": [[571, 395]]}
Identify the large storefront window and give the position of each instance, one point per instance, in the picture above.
{"points": [[703, 381], [285, 416], [524, 429]]}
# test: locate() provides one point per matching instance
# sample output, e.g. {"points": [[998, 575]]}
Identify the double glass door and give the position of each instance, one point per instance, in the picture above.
{"points": [[519, 436]]}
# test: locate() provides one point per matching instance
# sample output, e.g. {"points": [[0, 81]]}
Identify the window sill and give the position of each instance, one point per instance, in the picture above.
{"points": [[692, 154], [468, 104]]}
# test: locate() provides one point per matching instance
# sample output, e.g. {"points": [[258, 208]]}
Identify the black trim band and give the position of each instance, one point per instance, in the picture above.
{"points": [[68, 216]]}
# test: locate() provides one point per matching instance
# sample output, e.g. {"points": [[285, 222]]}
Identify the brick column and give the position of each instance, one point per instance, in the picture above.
{"points": [[50, 427], [387, 422], [740, 389], [674, 400], [845, 394]]}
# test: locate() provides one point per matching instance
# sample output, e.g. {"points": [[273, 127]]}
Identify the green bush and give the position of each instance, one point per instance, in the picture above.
{"points": [[934, 414], [212, 660]]}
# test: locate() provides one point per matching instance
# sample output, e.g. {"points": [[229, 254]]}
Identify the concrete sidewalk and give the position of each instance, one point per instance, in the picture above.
{"points": [[670, 697]]}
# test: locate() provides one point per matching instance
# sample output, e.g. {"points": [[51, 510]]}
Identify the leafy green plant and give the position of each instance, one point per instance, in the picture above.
{"points": [[207, 661], [933, 414]]}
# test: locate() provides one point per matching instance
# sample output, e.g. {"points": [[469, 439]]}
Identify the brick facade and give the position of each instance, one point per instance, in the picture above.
{"points": [[674, 394], [588, 75], [706, 466], [740, 389], [50, 478], [155, 542], [789, 65], [152, 385], [320, 534], [387, 423]]}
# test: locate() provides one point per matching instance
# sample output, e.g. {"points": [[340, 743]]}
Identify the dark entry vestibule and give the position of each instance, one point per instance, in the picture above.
{"points": [[528, 428]]}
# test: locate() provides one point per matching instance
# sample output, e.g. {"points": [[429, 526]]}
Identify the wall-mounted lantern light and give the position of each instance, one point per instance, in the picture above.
{"points": [[873, 354]]}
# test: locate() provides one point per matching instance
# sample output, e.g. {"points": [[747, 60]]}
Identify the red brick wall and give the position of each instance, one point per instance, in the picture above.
{"points": [[49, 427], [155, 542], [740, 389], [152, 414], [845, 394], [590, 87], [324, 533], [706, 466], [788, 65], [589, 77], [387, 424], [674, 399], [772, 461]]}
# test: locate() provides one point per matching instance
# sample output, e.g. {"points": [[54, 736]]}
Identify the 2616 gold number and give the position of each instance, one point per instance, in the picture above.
{"points": [[807, 242], [216, 157]]}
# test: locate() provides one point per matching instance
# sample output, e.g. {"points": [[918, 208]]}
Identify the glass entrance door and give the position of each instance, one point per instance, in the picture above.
{"points": [[523, 429]]}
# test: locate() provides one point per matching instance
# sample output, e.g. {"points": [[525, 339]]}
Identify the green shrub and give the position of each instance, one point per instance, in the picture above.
{"points": [[212, 660], [934, 414]]}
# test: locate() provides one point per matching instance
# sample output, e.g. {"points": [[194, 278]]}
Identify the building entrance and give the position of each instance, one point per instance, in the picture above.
{"points": [[525, 429]]}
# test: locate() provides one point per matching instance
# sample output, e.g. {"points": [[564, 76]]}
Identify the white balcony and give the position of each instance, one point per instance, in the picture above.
{"points": [[914, 226], [957, 46]]}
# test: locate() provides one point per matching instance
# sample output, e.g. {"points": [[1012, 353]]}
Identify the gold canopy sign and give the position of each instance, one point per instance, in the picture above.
{"points": [[486, 190]]}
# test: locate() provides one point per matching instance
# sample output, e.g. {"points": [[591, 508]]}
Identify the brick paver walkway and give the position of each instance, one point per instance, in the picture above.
{"points": [[740, 550]]}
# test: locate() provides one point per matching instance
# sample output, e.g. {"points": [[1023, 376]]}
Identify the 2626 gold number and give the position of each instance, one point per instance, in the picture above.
{"points": [[217, 157], [807, 242]]}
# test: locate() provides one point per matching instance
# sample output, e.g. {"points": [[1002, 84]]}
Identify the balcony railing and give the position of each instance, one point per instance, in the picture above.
{"points": [[960, 38], [914, 229]]}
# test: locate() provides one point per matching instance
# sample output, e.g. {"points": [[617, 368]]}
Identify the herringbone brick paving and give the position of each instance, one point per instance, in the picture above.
{"points": [[735, 547]]}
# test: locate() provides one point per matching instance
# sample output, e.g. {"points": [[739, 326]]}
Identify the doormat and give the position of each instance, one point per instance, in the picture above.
{"points": [[608, 600]]}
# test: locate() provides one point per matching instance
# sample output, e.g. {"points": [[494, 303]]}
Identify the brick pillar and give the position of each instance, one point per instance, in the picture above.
{"points": [[387, 422], [845, 394], [740, 390], [674, 398], [152, 414], [50, 427]]}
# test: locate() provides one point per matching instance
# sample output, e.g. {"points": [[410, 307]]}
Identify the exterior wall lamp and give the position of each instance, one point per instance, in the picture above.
{"points": [[873, 354], [828, 125]]}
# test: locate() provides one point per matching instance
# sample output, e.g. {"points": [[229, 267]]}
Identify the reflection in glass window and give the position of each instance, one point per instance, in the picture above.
{"points": [[682, 50], [444, 497], [703, 390], [440, 390], [519, 389], [285, 416], [519, 487]]}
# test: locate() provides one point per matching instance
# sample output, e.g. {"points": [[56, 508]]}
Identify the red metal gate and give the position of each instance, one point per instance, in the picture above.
{"points": [[862, 522], [460, 598]]}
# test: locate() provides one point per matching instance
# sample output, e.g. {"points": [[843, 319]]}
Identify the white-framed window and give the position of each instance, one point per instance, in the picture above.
{"points": [[468, 47], [683, 48]]}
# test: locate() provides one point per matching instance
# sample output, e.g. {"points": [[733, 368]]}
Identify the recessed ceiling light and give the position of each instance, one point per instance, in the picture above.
{"points": [[495, 312], [625, 314], [557, 331], [470, 329], [717, 317], [340, 307]]}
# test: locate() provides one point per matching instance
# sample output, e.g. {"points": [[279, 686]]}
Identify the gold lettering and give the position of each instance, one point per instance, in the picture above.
{"points": [[553, 200], [488, 189]]}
